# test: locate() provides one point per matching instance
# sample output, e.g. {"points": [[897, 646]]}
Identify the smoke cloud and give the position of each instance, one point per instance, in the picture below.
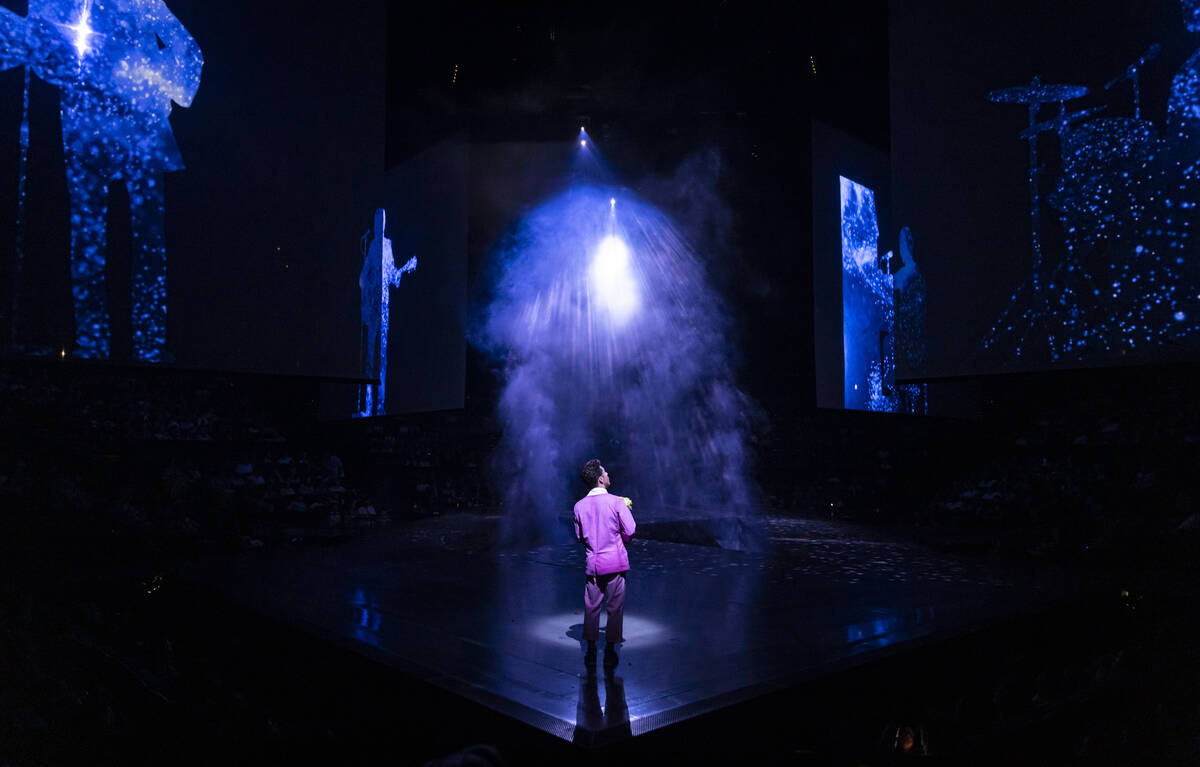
{"points": [[612, 344]]}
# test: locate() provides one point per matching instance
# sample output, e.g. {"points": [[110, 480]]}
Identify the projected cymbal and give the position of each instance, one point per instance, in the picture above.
{"points": [[1037, 92]]}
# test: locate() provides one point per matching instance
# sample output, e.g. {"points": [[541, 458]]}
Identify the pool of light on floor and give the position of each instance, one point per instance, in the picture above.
{"points": [[557, 629]]}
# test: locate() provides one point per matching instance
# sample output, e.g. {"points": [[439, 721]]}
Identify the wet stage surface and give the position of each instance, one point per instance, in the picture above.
{"points": [[704, 627]]}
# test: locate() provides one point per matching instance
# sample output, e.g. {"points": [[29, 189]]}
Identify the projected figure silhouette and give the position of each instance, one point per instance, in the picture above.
{"points": [[909, 288], [378, 276], [119, 65]]}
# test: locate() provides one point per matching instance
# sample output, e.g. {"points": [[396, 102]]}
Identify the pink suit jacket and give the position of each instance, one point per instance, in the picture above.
{"points": [[603, 524]]}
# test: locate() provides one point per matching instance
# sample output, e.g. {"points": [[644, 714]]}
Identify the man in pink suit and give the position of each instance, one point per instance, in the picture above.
{"points": [[603, 524]]}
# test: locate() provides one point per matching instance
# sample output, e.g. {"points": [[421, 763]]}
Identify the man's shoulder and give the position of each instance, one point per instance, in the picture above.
{"points": [[597, 500], [612, 502]]}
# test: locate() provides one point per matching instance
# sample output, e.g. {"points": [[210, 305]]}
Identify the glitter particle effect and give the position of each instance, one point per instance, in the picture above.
{"points": [[1120, 278], [118, 67]]}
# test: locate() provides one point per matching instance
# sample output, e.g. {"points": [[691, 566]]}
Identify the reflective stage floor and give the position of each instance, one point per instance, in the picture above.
{"points": [[705, 628]]}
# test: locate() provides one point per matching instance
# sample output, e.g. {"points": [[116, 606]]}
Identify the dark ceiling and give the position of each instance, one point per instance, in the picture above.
{"points": [[533, 71]]}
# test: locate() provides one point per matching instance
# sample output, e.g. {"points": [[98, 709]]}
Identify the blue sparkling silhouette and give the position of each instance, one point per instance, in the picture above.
{"points": [[119, 65], [911, 348], [378, 276]]}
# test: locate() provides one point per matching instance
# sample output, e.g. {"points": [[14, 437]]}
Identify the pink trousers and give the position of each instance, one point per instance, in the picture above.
{"points": [[597, 588]]}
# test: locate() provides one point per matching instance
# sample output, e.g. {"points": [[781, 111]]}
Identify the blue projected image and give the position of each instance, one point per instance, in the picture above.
{"points": [[1122, 277], [119, 66], [375, 282], [868, 306]]}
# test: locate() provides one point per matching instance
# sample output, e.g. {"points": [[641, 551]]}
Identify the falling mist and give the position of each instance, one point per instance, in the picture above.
{"points": [[612, 344]]}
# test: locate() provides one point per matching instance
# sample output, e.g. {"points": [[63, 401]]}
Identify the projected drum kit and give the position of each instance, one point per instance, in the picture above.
{"points": [[1034, 95], [1108, 187]]}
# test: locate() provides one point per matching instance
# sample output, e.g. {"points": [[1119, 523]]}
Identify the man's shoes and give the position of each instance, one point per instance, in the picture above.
{"points": [[589, 657]]}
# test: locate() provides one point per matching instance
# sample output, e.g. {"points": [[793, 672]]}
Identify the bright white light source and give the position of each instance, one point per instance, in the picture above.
{"points": [[583, 142], [612, 257], [612, 279], [83, 30]]}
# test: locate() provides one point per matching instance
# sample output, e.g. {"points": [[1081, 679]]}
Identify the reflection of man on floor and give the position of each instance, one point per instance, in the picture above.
{"points": [[596, 725], [119, 65], [603, 524], [378, 276]]}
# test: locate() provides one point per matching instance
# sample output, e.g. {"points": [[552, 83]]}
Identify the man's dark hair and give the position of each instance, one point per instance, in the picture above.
{"points": [[591, 471]]}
